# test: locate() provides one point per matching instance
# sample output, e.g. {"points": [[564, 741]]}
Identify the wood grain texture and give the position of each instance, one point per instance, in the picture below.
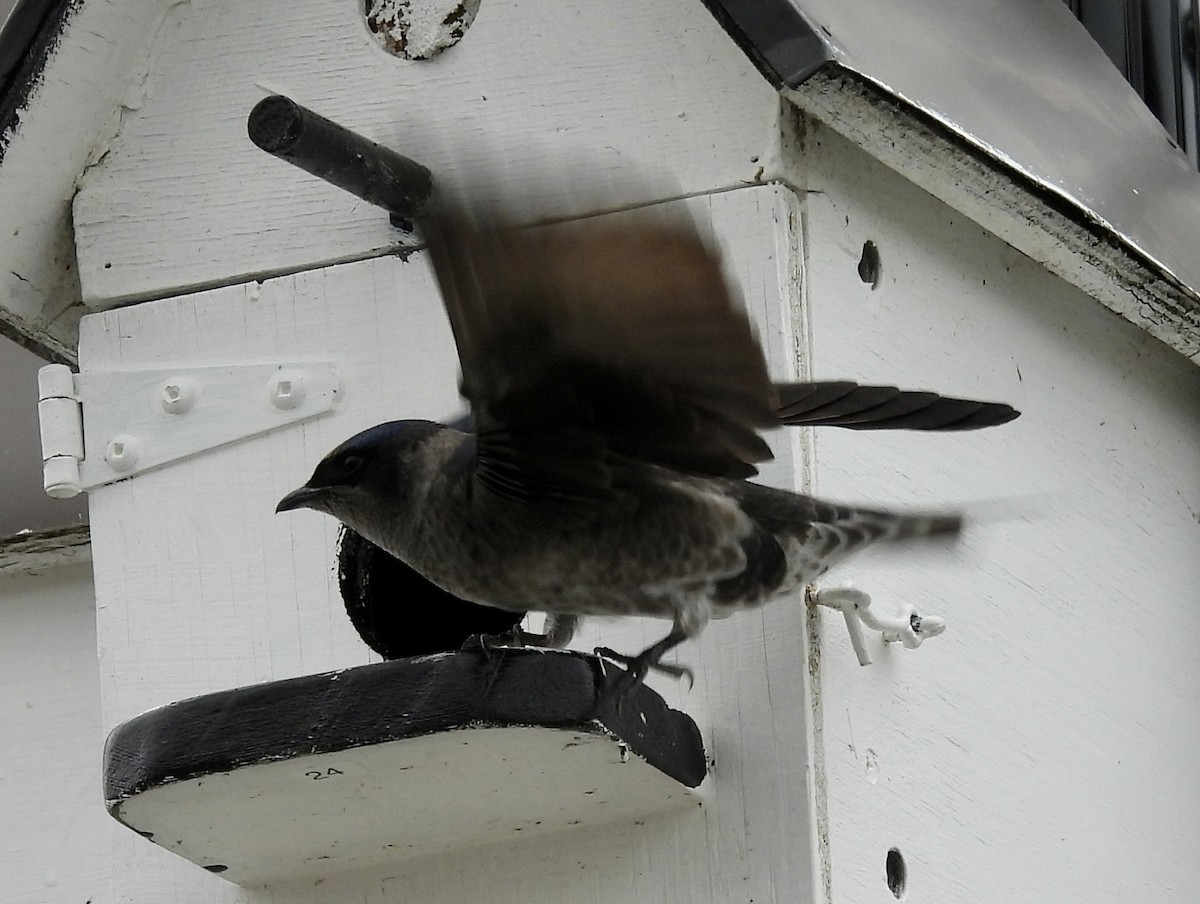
{"points": [[622, 84], [1041, 749], [44, 146], [34, 552], [202, 587]]}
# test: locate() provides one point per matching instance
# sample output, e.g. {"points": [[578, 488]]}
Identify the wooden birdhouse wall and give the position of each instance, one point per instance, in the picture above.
{"points": [[528, 88], [1016, 756], [1049, 725], [57, 840], [201, 587]]}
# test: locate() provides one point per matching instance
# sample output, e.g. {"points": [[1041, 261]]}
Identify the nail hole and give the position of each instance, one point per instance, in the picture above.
{"points": [[897, 873], [870, 268], [216, 867]]}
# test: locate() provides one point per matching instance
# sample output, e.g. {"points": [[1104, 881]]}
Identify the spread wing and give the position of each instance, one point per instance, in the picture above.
{"points": [[585, 343], [846, 404]]}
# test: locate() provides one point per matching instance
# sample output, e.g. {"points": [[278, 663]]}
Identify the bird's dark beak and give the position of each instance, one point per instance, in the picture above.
{"points": [[301, 498]]}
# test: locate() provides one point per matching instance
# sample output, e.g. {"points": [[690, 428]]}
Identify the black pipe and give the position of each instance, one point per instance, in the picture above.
{"points": [[378, 175]]}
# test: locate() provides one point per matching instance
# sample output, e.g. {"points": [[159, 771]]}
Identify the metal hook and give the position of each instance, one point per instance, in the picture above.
{"points": [[908, 627]]}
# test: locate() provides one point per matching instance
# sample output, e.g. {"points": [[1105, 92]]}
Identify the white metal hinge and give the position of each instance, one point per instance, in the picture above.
{"points": [[101, 427]]}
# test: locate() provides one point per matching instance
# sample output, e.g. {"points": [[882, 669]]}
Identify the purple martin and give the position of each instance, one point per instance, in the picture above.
{"points": [[617, 394]]}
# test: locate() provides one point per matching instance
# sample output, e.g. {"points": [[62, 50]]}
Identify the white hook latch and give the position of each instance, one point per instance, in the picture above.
{"points": [[908, 626]]}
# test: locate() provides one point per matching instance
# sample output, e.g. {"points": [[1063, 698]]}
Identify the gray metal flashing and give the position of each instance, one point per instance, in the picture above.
{"points": [[1031, 216], [1011, 114]]}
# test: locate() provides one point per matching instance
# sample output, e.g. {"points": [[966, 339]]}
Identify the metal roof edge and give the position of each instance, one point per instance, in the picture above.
{"points": [[776, 36], [1015, 205], [1035, 214]]}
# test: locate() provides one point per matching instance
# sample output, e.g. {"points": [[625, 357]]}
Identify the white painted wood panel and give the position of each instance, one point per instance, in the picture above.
{"points": [[202, 587], [1042, 748], [44, 148], [55, 838], [182, 198]]}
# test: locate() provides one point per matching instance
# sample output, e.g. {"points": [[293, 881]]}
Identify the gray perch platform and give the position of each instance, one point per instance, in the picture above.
{"points": [[314, 775]]}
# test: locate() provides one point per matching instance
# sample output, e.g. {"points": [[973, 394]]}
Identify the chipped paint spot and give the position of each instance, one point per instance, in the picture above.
{"points": [[419, 29], [33, 552]]}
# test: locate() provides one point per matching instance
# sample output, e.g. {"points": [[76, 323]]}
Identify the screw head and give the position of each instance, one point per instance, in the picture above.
{"points": [[122, 452], [286, 389], [178, 395]]}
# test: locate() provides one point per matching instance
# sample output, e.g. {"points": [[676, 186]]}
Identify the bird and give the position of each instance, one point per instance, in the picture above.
{"points": [[618, 398]]}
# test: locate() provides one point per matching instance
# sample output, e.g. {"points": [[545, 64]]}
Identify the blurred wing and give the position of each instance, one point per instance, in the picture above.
{"points": [[584, 342], [846, 404]]}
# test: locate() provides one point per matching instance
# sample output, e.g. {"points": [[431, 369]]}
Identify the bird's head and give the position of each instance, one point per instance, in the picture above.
{"points": [[367, 477]]}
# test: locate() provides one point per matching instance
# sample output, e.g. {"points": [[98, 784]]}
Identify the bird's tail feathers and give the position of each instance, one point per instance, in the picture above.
{"points": [[858, 527], [847, 404], [840, 531]]}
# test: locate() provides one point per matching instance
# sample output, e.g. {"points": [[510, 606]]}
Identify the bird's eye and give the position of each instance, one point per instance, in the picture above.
{"points": [[352, 463]]}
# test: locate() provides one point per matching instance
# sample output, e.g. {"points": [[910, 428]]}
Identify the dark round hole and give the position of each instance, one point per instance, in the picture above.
{"points": [[399, 613], [897, 873], [216, 867], [870, 269]]}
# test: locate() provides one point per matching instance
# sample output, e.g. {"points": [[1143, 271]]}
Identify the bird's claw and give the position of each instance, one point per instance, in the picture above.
{"points": [[487, 643], [637, 666]]}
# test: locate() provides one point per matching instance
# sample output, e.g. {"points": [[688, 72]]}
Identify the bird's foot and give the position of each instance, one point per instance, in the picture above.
{"points": [[487, 643], [557, 631], [641, 664], [636, 669]]}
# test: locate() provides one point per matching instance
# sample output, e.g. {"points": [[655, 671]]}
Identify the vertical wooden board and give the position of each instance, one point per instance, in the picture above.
{"points": [[56, 836], [1041, 749], [202, 587], [199, 583], [624, 84]]}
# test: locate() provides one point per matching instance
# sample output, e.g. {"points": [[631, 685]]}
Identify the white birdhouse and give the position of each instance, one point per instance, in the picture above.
{"points": [[966, 198]]}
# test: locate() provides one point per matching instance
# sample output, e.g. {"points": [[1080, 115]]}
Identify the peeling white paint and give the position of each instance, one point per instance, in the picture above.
{"points": [[419, 29], [79, 88], [199, 206]]}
